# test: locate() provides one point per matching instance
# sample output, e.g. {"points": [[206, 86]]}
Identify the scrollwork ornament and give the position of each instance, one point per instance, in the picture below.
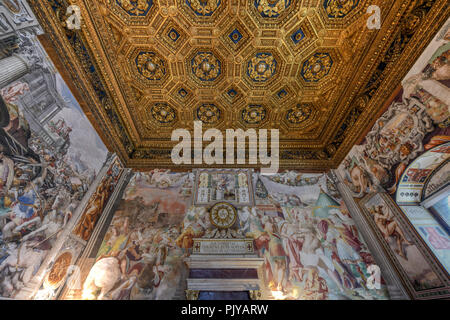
{"points": [[203, 7], [135, 7], [317, 67], [299, 113], [205, 66], [163, 113], [208, 113], [339, 8], [398, 134], [151, 66]]}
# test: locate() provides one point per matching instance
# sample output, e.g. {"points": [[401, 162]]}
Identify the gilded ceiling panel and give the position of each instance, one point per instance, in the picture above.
{"points": [[310, 68]]}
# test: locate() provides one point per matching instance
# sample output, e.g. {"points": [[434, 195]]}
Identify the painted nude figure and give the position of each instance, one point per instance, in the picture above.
{"points": [[389, 227]]}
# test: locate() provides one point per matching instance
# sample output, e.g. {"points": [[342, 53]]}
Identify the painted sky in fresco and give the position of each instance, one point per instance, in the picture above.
{"points": [[84, 138]]}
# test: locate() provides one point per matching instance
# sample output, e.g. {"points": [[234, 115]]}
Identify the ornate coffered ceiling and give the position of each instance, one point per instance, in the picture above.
{"points": [[310, 68]]}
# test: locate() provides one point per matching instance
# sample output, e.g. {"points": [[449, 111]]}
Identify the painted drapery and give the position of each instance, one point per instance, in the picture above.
{"points": [[310, 244], [416, 120]]}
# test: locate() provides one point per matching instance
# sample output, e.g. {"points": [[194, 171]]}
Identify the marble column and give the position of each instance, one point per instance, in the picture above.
{"points": [[394, 285], [25, 60], [13, 68]]}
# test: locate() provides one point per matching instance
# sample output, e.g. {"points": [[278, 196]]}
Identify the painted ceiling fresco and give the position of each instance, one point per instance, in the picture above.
{"points": [[310, 68]]}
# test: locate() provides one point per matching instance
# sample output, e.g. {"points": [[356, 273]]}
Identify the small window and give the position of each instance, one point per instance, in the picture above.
{"points": [[441, 212]]}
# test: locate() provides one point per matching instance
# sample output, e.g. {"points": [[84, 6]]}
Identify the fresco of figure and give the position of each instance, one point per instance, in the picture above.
{"points": [[144, 243], [94, 208], [6, 172], [195, 224], [389, 227], [26, 210], [41, 185], [417, 120], [311, 250]]}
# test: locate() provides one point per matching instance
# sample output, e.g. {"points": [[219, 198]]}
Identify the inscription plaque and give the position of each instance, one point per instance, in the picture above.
{"points": [[223, 246]]}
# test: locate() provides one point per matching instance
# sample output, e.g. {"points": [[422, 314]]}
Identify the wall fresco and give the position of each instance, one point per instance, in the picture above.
{"points": [[139, 257], [309, 243], [97, 202], [383, 216], [404, 149], [416, 120], [43, 178]]}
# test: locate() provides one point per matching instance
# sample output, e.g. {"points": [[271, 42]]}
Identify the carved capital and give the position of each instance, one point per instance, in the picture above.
{"points": [[32, 61], [28, 52]]}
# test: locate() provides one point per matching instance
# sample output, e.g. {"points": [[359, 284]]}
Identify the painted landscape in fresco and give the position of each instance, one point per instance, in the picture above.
{"points": [[42, 180]]}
